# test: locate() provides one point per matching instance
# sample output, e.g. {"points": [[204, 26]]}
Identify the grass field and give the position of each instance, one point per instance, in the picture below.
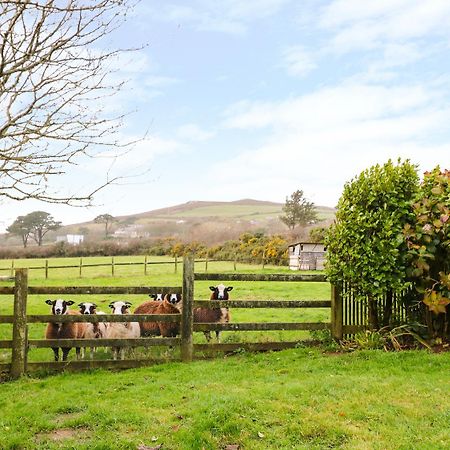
{"points": [[297, 399], [164, 275]]}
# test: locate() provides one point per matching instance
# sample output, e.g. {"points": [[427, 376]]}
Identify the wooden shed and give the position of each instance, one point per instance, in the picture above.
{"points": [[307, 256]]}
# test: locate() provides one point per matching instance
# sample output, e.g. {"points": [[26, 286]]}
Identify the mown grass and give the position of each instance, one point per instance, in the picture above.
{"points": [[164, 275], [296, 399]]}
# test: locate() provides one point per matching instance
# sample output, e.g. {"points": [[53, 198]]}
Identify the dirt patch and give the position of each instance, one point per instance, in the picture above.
{"points": [[62, 434]]}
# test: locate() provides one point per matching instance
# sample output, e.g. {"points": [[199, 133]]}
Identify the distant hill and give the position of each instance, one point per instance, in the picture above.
{"points": [[209, 222]]}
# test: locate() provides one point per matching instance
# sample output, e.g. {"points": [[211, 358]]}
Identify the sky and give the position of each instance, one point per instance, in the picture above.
{"points": [[234, 99]]}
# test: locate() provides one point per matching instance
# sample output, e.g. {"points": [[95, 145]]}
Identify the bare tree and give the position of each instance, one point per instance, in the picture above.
{"points": [[54, 80]]}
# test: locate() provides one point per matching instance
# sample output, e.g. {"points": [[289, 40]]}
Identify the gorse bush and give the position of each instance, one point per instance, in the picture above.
{"points": [[252, 248]]}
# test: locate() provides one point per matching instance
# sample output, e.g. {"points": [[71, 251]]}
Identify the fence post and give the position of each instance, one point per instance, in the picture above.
{"points": [[12, 268], [235, 258], [46, 269], [145, 265], [112, 266], [81, 265], [19, 341], [206, 264], [176, 263], [187, 318], [337, 323]]}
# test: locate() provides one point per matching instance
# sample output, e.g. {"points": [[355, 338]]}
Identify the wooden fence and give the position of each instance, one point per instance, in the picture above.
{"points": [[113, 264], [20, 343]]}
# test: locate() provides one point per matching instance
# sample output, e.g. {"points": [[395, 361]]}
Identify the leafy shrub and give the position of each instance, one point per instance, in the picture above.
{"points": [[366, 246], [428, 239]]}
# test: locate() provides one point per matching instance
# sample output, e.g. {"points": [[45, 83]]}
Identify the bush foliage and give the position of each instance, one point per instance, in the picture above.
{"points": [[366, 246]]}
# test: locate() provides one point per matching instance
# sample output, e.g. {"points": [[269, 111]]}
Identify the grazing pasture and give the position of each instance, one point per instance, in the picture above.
{"points": [[294, 399], [160, 275]]}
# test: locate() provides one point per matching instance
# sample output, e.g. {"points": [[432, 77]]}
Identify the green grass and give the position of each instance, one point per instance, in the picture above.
{"points": [[296, 399], [164, 275]]}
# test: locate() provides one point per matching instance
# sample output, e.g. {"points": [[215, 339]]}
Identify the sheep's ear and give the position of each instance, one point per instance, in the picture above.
{"points": [[212, 288], [49, 302], [111, 305], [70, 302], [94, 305], [229, 288], [128, 304], [80, 305], [152, 295]]}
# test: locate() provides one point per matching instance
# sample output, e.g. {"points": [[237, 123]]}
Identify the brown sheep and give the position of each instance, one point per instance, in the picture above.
{"points": [[170, 305], [215, 315], [73, 330]]}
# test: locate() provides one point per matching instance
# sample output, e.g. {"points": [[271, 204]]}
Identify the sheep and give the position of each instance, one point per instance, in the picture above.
{"points": [[72, 330], [215, 315], [170, 305], [159, 297], [121, 330], [93, 330]]}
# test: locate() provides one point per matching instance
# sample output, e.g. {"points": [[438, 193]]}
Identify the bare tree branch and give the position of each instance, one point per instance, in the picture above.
{"points": [[53, 86]]}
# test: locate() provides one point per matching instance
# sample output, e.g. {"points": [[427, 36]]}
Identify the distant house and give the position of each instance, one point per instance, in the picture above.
{"points": [[307, 256], [73, 239]]}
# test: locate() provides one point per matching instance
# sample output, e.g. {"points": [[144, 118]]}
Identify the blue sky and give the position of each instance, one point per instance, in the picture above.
{"points": [[258, 98]]}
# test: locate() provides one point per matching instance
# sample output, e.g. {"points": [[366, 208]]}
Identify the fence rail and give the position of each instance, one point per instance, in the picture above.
{"points": [[20, 343], [112, 265]]}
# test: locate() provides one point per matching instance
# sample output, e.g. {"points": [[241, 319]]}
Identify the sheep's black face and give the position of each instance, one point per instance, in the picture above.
{"points": [[173, 298], [157, 297], [87, 308], [59, 307], [220, 292]]}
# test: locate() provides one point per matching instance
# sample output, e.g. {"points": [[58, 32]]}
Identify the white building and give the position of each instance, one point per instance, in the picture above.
{"points": [[307, 256], [73, 239]]}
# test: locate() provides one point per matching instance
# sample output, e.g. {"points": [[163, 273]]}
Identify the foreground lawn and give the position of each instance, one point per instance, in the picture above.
{"points": [[296, 399]]}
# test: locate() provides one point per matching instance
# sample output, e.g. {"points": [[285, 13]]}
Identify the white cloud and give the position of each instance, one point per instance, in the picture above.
{"points": [[357, 25], [319, 141], [298, 61]]}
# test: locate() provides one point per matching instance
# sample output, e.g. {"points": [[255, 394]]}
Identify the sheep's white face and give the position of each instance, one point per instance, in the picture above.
{"points": [[59, 306], [220, 292], [87, 308], [120, 307]]}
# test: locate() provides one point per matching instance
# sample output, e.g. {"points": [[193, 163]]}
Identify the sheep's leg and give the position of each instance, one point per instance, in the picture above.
{"points": [[56, 353], [208, 336], [115, 351], [122, 353], [91, 353], [65, 352], [217, 336]]}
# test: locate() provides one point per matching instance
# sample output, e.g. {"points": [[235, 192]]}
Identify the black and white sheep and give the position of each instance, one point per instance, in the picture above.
{"points": [[93, 330], [121, 330], [217, 314], [72, 330]]}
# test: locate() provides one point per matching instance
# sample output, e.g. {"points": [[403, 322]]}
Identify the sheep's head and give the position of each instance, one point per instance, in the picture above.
{"points": [[157, 297], [220, 292], [87, 308], [120, 307], [172, 298], [59, 306]]}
